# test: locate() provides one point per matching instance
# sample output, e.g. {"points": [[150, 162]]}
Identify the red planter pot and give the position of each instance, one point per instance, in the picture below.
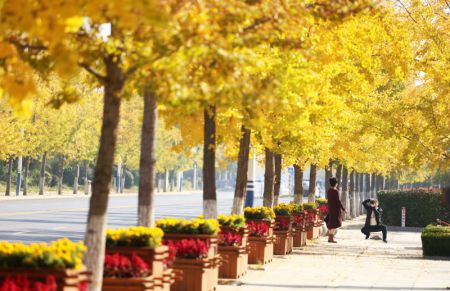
{"points": [[129, 284], [260, 249], [66, 279], [284, 242]]}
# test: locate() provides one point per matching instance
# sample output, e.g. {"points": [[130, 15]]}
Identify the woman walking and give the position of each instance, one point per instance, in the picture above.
{"points": [[334, 217]]}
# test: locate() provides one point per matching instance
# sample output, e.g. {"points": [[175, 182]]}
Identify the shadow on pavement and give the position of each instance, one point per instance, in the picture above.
{"points": [[344, 287]]}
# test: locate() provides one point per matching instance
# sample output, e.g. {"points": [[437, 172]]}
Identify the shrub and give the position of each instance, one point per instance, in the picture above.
{"points": [[189, 248], [436, 241], [257, 228], [193, 226], [259, 213], [135, 236], [120, 266], [283, 209], [59, 254], [321, 201], [229, 239], [422, 207], [310, 207], [297, 208], [234, 221]]}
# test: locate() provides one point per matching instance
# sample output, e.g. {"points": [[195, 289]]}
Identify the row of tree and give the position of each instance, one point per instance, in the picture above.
{"points": [[360, 85]]}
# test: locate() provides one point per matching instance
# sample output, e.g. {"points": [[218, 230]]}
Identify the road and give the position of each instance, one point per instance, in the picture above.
{"points": [[46, 219]]}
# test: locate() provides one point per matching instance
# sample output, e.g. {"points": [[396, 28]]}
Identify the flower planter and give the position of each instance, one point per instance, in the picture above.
{"points": [[299, 236], [129, 284], [66, 279], [235, 258], [313, 232], [154, 257], [235, 262], [283, 242], [196, 274], [260, 250]]}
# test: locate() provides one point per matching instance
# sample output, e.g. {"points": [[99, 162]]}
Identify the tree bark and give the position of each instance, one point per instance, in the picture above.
{"points": [[339, 175], [356, 202], [345, 195], [328, 175], [42, 174], [147, 162], [9, 176], [241, 173], [96, 221], [351, 194], [86, 178], [25, 175], [76, 178], [61, 175], [361, 194], [368, 186], [373, 185], [312, 183], [209, 161], [269, 178], [277, 183], [298, 184]]}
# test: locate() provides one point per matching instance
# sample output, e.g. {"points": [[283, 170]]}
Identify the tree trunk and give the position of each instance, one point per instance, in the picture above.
{"points": [[373, 186], [171, 180], [345, 198], [361, 194], [339, 175], [277, 184], [86, 178], [166, 177], [76, 178], [298, 184], [146, 195], [209, 162], [8, 176], [368, 187], [25, 175], [328, 175], [42, 174], [96, 221], [241, 173], [356, 194], [351, 194], [312, 183], [269, 178], [157, 178], [61, 175], [122, 179]]}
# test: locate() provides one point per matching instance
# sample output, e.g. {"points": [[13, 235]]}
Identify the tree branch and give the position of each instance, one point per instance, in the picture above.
{"points": [[92, 71], [448, 4], [406, 9], [257, 23]]}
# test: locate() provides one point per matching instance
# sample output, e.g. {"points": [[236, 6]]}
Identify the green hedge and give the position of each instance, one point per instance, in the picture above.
{"points": [[422, 207], [436, 241]]}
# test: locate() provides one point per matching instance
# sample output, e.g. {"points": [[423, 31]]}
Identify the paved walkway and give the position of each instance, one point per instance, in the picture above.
{"points": [[352, 264]]}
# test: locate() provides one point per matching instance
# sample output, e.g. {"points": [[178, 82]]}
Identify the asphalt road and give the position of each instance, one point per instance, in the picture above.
{"points": [[35, 220]]}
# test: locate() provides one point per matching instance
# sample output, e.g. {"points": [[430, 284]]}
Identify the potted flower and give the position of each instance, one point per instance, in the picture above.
{"points": [[322, 208], [125, 272], [233, 239], [312, 225], [260, 224], [299, 225], [56, 266], [283, 229], [194, 245], [141, 243]]}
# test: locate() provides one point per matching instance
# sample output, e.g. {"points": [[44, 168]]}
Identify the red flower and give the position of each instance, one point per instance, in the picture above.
{"points": [[229, 239], [188, 248], [258, 228], [282, 223], [323, 208], [22, 283], [298, 219], [120, 266]]}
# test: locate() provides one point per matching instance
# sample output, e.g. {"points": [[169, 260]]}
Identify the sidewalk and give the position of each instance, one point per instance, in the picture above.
{"points": [[352, 264]]}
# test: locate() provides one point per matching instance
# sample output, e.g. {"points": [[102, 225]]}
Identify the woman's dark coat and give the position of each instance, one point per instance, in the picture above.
{"points": [[334, 217]]}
